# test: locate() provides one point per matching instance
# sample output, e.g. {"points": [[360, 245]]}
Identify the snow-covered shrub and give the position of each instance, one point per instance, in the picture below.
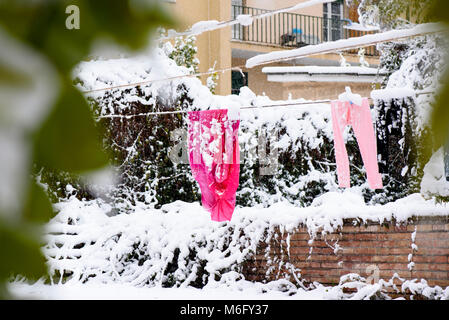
{"points": [[416, 65], [299, 140], [212, 79], [183, 52], [179, 246], [397, 146]]}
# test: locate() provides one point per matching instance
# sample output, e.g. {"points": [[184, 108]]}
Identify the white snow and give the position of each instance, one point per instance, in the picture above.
{"points": [[392, 93], [203, 26], [434, 180], [86, 240], [245, 19], [358, 27], [321, 70], [96, 247], [343, 44], [351, 97]]}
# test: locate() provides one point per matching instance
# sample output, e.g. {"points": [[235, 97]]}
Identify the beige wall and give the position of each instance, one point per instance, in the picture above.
{"points": [[212, 46]]}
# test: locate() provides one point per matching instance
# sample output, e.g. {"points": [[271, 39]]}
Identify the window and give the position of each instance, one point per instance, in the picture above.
{"points": [[239, 80], [332, 16]]}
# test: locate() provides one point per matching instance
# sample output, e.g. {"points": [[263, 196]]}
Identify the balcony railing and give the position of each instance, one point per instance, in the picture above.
{"points": [[293, 30]]}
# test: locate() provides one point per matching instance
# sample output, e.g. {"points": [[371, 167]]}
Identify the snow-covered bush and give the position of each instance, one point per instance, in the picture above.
{"points": [[183, 52], [179, 246], [286, 152], [416, 65]]}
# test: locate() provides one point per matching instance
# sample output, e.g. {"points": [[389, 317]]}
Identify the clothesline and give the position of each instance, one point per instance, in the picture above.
{"points": [[242, 108]]}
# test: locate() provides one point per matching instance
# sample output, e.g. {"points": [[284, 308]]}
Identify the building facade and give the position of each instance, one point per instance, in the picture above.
{"points": [[232, 46]]}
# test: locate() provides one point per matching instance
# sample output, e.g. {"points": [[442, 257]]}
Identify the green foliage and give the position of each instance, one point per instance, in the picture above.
{"points": [[66, 139], [184, 53], [20, 251], [42, 25], [212, 80]]}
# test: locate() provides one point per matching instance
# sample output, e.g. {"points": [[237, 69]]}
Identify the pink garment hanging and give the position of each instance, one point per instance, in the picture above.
{"points": [[214, 157], [359, 117]]}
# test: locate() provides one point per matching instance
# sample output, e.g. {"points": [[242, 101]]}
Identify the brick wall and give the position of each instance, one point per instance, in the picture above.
{"points": [[383, 249]]}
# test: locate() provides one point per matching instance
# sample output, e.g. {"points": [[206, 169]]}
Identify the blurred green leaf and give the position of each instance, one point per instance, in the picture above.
{"points": [[439, 10], [43, 24], [37, 206], [440, 115], [9, 77], [69, 140], [439, 120], [20, 252]]}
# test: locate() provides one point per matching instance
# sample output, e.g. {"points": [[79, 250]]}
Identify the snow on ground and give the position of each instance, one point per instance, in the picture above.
{"points": [[253, 291], [242, 290]]}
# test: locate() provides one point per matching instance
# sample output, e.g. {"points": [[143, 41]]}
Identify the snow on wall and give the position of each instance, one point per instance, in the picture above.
{"points": [[178, 245]]}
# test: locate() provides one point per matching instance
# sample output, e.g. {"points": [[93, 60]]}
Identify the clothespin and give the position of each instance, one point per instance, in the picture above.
{"points": [[351, 97]]}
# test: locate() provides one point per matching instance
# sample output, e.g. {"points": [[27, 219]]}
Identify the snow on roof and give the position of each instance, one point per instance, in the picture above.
{"points": [[344, 44], [321, 70], [321, 74]]}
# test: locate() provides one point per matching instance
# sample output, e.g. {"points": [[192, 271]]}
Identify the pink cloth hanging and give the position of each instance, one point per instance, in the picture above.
{"points": [[359, 117], [214, 157]]}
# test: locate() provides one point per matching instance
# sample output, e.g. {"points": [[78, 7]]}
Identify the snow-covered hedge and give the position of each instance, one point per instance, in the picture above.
{"points": [[139, 233], [179, 246], [287, 152]]}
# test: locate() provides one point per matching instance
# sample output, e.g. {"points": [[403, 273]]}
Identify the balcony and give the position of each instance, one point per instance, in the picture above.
{"points": [[291, 30]]}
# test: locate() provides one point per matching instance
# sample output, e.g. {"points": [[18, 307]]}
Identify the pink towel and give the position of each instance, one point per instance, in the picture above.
{"points": [[214, 158], [359, 117]]}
